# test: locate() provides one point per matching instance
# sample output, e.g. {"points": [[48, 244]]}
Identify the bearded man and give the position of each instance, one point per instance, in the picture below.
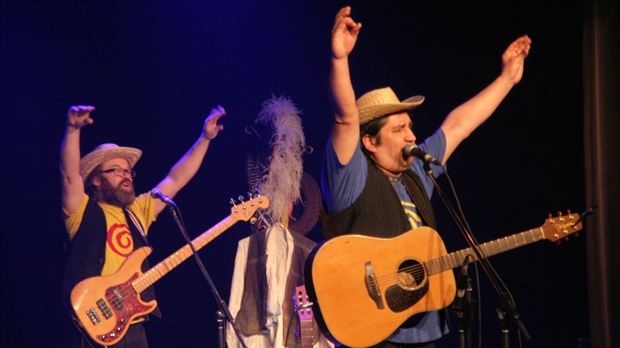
{"points": [[105, 221]]}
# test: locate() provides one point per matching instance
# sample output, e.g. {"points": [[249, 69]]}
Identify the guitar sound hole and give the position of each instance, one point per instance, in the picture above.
{"points": [[411, 275], [412, 285]]}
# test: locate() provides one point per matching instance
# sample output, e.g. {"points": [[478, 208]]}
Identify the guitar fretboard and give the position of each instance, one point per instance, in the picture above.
{"points": [[455, 259], [307, 334], [161, 269]]}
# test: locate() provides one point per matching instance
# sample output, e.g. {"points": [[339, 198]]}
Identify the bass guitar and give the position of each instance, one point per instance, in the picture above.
{"points": [[106, 305], [363, 288]]}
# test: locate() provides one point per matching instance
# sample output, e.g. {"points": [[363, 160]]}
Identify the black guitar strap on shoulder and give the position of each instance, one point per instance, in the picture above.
{"points": [[137, 224]]}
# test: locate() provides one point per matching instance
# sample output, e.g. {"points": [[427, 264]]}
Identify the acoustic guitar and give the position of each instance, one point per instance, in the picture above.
{"points": [[363, 288]]}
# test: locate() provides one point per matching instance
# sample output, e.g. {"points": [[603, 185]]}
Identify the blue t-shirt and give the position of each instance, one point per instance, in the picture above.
{"points": [[343, 184]]}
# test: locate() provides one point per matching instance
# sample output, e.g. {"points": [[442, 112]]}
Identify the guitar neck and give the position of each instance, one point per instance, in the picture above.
{"points": [[307, 334], [161, 269], [455, 259]]}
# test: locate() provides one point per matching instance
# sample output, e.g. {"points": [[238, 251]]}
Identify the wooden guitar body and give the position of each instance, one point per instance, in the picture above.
{"points": [[340, 284], [106, 305], [363, 288]]}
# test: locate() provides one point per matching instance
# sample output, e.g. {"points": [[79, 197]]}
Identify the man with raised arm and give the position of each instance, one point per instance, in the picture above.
{"points": [[370, 187], [104, 218]]}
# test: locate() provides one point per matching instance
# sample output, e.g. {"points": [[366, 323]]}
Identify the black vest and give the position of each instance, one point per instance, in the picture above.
{"points": [[378, 212], [87, 252], [251, 317]]}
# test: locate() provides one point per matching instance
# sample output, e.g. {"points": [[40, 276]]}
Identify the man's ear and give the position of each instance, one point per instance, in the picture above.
{"points": [[369, 143], [97, 180]]}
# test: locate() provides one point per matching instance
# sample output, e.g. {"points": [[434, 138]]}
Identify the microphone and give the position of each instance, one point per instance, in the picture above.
{"points": [[413, 150], [156, 193], [462, 284]]}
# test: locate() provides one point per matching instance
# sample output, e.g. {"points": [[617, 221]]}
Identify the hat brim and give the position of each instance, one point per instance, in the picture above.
{"points": [[373, 112], [91, 161]]}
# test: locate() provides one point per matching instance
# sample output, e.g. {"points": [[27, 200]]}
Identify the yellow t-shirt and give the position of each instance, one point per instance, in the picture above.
{"points": [[119, 243]]}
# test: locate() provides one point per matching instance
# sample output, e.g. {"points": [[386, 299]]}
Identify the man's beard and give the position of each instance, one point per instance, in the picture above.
{"points": [[116, 195]]}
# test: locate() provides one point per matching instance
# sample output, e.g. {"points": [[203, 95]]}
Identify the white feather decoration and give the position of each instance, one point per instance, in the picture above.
{"points": [[286, 168]]}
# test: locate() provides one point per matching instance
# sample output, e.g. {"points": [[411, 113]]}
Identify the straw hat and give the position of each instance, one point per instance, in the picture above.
{"points": [[383, 102], [106, 152]]}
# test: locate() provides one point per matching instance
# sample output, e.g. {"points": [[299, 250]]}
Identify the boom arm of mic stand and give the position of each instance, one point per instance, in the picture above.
{"points": [[507, 303], [218, 298]]}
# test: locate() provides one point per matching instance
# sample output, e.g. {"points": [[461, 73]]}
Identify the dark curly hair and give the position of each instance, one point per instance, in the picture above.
{"points": [[372, 128]]}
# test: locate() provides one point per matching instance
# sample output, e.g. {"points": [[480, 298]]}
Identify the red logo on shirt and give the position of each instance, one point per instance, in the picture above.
{"points": [[120, 240]]}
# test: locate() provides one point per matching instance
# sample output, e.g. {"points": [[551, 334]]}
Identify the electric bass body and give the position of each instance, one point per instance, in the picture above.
{"points": [[106, 305]]}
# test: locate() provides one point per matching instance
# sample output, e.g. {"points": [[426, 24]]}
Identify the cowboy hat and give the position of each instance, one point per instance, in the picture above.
{"points": [[106, 152], [383, 102]]}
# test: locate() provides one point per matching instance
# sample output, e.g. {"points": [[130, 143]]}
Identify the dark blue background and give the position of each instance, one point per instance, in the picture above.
{"points": [[154, 69]]}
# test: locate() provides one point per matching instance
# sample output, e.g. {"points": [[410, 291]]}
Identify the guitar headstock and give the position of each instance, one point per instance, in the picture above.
{"points": [[561, 226], [303, 307], [243, 210]]}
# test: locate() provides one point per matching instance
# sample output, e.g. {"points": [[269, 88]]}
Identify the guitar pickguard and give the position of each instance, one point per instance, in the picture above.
{"points": [[121, 303], [411, 287]]}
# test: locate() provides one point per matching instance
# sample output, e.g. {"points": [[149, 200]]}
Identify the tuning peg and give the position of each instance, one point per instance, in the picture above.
{"points": [[240, 198], [250, 199], [232, 202], [568, 211], [558, 242]]}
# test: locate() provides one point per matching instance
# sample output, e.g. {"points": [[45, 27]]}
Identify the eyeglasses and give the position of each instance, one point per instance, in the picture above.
{"points": [[121, 172]]}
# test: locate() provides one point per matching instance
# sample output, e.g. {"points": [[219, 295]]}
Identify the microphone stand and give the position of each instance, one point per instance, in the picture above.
{"points": [[223, 307], [463, 306], [508, 307]]}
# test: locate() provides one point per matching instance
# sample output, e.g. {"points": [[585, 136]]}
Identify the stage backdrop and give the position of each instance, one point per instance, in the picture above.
{"points": [[154, 69]]}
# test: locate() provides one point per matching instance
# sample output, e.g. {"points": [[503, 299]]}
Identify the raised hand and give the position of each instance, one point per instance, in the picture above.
{"points": [[344, 33], [514, 57], [79, 116], [211, 128]]}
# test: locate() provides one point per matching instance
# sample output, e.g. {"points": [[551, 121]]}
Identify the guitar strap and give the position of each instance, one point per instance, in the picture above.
{"points": [[134, 219], [413, 185], [139, 239]]}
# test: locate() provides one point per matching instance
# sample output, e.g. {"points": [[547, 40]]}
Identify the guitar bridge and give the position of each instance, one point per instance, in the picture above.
{"points": [[93, 316], [373, 286]]}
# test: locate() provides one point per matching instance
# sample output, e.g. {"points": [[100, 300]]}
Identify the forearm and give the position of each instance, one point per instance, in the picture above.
{"points": [[185, 169], [463, 120], [467, 117], [345, 131], [342, 94]]}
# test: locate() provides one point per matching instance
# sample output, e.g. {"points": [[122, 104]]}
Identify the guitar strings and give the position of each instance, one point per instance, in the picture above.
{"points": [[128, 289], [415, 271]]}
